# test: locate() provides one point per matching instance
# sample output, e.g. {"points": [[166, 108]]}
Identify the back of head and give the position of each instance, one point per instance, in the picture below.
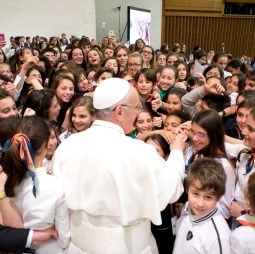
{"points": [[199, 54], [31, 131], [209, 174], [217, 102]]}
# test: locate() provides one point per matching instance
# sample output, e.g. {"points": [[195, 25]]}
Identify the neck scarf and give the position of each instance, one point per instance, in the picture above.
{"points": [[250, 161], [25, 152]]}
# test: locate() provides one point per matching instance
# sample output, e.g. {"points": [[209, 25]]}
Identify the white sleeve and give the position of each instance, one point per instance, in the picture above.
{"points": [[62, 222], [233, 150], [235, 244], [225, 201]]}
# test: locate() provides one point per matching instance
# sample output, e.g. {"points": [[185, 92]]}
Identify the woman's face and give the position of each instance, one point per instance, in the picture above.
{"points": [[54, 41], [36, 74], [222, 62], [52, 144], [112, 63], [182, 72], [199, 137], [167, 78], [83, 84], [144, 122], [241, 117], [161, 61], [81, 118], [140, 44], [77, 56], [173, 103], [65, 90], [144, 86], [147, 54], [94, 58], [157, 146], [53, 110], [213, 72], [122, 56], [232, 85]]}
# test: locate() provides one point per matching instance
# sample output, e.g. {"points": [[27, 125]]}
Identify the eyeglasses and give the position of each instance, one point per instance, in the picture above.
{"points": [[138, 108], [147, 52], [133, 65], [199, 135]]}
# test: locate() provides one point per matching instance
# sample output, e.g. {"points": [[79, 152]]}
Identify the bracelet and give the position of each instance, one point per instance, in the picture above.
{"points": [[2, 195]]}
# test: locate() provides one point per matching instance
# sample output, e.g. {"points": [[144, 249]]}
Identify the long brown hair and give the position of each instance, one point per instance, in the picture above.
{"points": [[37, 131]]}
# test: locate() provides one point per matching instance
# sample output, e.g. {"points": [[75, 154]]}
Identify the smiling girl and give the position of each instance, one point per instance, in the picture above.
{"points": [[64, 86], [81, 116], [207, 140]]}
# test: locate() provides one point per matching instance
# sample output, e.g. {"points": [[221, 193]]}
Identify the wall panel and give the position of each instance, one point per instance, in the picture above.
{"points": [[210, 31]]}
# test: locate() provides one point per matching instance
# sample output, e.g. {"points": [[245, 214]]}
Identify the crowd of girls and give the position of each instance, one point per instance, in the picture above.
{"points": [[47, 91]]}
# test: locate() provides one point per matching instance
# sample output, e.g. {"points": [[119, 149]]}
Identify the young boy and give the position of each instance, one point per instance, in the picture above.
{"points": [[201, 227]]}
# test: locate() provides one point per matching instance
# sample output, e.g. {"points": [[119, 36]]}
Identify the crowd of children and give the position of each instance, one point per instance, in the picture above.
{"points": [[47, 88]]}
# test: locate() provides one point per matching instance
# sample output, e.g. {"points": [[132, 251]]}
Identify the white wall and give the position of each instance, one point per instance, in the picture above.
{"points": [[47, 18], [104, 14], [74, 17]]}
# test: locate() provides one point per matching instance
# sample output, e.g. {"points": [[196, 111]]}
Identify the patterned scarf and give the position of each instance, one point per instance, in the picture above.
{"points": [[250, 161], [25, 152]]}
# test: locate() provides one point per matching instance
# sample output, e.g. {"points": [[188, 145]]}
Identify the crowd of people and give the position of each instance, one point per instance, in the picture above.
{"points": [[110, 148]]}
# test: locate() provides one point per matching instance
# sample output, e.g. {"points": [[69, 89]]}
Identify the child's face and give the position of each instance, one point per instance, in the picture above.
{"points": [[241, 117], [144, 122], [201, 202], [199, 137], [157, 146], [249, 132], [144, 86], [182, 71], [173, 103], [232, 85], [112, 63], [27, 53], [213, 72], [81, 118], [171, 123], [167, 79], [222, 62]]}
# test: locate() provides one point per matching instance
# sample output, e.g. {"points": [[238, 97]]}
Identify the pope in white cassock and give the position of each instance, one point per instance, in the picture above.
{"points": [[115, 186]]}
